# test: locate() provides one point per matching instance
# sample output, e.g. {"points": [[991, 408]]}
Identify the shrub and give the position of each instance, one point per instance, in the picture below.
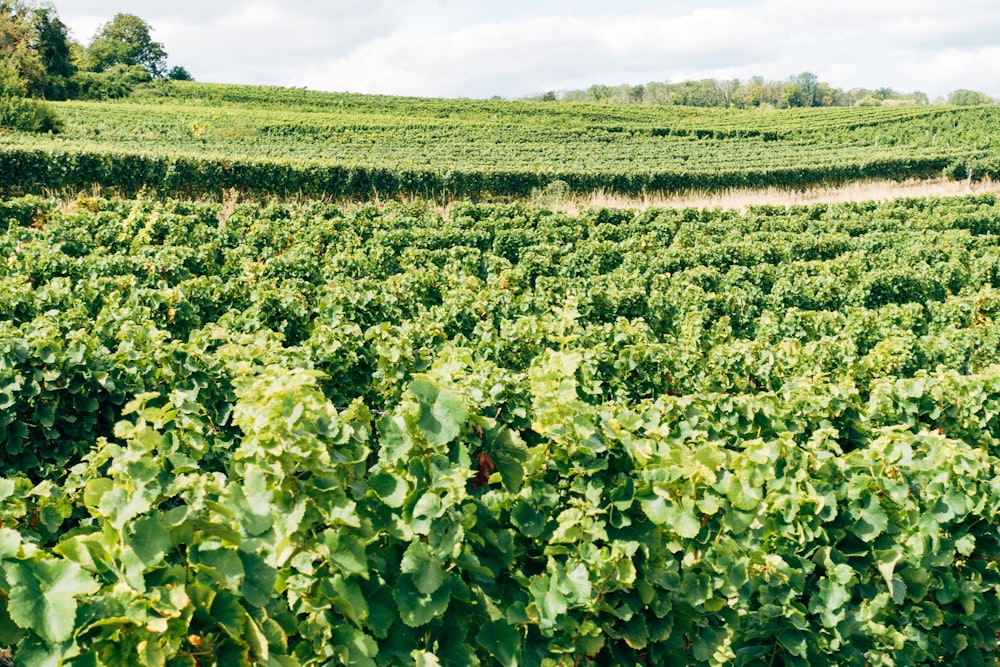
{"points": [[27, 115]]}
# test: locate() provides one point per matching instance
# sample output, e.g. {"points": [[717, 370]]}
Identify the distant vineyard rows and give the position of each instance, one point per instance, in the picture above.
{"points": [[199, 138]]}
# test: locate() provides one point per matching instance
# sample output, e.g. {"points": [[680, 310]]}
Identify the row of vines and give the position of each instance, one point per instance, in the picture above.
{"points": [[188, 139], [298, 434]]}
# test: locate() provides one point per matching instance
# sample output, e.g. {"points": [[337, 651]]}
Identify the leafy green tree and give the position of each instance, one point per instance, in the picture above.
{"points": [[179, 74], [968, 98], [126, 40], [794, 95], [22, 73], [52, 44], [16, 44]]}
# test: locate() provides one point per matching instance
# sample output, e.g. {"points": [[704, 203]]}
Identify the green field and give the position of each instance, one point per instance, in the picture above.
{"points": [[300, 431], [194, 139]]}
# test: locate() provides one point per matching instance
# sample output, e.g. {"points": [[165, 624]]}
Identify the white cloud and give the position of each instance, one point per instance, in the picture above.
{"points": [[976, 69], [521, 56], [478, 48]]}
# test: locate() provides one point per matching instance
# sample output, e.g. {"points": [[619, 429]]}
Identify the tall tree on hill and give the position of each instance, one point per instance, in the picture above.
{"points": [[21, 73], [19, 58], [965, 97], [53, 46], [126, 40]]}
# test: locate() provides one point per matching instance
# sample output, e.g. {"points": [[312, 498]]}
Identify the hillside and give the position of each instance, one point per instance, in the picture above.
{"points": [[193, 138]]}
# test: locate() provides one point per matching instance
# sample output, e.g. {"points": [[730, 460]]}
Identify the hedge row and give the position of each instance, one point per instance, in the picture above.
{"points": [[27, 170]]}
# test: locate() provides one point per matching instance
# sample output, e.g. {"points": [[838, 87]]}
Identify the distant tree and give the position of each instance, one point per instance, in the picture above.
{"points": [[657, 93], [179, 74], [967, 98], [16, 46], [126, 40], [599, 93], [550, 96], [11, 83], [827, 95], [793, 95], [753, 92], [801, 90], [53, 46], [809, 94]]}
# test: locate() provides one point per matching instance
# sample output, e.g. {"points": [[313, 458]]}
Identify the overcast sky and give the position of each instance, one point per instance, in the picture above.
{"points": [[514, 48]]}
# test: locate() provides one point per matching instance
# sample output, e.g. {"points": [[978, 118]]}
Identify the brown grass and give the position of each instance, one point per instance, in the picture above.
{"points": [[741, 199]]}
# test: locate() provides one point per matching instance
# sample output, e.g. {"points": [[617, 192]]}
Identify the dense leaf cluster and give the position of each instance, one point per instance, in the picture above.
{"points": [[302, 435]]}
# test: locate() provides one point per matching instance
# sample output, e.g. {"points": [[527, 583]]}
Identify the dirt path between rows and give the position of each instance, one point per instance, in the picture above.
{"points": [[741, 199]]}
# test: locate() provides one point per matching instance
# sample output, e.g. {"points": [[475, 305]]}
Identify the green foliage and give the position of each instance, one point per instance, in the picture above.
{"points": [[17, 111], [52, 43], [802, 90], [965, 97], [126, 40], [36, 44], [27, 115], [17, 52], [181, 138], [178, 73], [302, 434], [116, 82]]}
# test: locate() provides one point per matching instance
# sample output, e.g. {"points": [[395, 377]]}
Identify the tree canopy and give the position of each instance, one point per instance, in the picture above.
{"points": [[800, 90], [23, 71], [21, 61], [127, 40]]}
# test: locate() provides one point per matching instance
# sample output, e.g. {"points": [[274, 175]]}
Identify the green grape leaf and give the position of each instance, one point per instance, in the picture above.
{"points": [[259, 579], [347, 551], [442, 413], [34, 653], [395, 443], [415, 608], [6, 487], [230, 615], [392, 489], [150, 540], [508, 454], [872, 522], [501, 641], [10, 542], [222, 564], [43, 595], [346, 596], [426, 568], [525, 518]]}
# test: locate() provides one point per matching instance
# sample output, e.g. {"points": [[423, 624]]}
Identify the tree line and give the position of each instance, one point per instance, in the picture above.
{"points": [[801, 90], [40, 61]]}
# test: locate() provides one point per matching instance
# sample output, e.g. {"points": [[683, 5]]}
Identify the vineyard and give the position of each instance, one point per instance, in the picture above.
{"points": [[306, 434], [189, 139]]}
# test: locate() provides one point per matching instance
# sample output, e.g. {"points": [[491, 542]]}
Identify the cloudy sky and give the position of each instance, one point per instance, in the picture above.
{"points": [[514, 48]]}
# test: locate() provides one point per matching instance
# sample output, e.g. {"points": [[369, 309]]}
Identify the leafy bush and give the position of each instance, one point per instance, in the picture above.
{"points": [[117, 82], [27, 115], [19, 113]]}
